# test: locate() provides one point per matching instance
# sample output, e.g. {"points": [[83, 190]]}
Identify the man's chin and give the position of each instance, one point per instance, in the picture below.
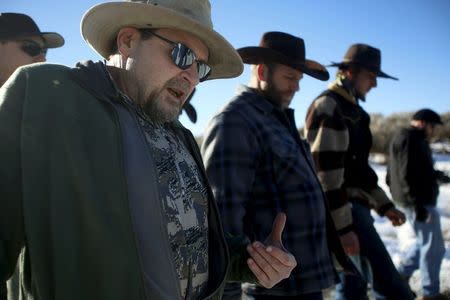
{"points": [[162, 115]]}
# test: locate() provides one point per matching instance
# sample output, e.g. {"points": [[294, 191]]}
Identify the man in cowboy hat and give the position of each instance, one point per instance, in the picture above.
{"points": [[414, 185], [259, 166], [22, 43], [101, 185], [337, 128]]}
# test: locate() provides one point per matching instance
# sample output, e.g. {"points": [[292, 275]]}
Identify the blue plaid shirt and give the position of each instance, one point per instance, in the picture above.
{"points": [[258, 166]]}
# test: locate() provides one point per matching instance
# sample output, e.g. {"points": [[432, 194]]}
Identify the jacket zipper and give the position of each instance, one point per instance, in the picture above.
{"points": [[121, 152], [161, 209]]}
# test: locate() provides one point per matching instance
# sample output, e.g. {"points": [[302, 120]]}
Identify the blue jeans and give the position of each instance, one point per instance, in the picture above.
{"points": [[386, 281], [428, 251]]}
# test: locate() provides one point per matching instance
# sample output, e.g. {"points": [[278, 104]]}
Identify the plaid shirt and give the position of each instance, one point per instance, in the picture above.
{"points": [[258, 166]]}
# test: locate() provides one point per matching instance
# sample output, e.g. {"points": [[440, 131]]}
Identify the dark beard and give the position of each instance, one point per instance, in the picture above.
{"points": [[271, 93]]}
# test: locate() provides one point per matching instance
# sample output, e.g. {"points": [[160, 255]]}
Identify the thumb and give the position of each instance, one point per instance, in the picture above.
{"points": [[277, 230]]}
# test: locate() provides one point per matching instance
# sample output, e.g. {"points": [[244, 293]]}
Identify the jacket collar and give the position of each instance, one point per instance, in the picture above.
{"points": [[338, 87], [259, 101], [94, 77]]}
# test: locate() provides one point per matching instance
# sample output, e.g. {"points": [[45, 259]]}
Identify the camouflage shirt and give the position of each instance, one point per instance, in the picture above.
{"points": [[184, 197]]}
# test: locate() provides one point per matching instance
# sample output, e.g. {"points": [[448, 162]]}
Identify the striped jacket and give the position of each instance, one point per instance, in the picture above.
{"points": [[337, 129]]}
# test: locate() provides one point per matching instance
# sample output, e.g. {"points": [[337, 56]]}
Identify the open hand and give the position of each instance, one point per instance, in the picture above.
{"points": [[271, 263]]}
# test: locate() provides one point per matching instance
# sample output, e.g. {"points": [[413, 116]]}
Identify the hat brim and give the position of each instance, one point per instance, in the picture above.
{"points": [[261, 55], [52, 39], [101, 23], [379, 72], [190, 112]]}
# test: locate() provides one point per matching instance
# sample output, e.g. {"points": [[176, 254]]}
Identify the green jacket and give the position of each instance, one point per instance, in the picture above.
{"points": [[63, 194]]}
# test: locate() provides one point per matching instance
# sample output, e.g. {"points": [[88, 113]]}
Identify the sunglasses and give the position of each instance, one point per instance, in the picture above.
{"points": [[183, 57], [32, 48]]}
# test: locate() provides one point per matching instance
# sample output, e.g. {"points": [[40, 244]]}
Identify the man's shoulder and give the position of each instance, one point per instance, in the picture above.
{"points": [[238, 108], [44, 69], [325, 104], [39, 75]]}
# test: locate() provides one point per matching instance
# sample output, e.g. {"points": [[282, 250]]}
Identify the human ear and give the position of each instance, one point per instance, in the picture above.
{"points": [[127, 40], [262, 72]]}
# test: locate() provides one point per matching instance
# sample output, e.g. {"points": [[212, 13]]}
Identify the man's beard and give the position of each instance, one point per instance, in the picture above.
{"points": [[156, 105], [275, 95]]}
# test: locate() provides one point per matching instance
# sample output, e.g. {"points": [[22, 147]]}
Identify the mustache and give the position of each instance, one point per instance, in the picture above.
{"points": [[180, 85]]}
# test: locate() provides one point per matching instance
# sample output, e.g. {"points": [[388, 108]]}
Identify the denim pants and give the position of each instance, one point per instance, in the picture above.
{"points": [[427, 252], [386, 281]]}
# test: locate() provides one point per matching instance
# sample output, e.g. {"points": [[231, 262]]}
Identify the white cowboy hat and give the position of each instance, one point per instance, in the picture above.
{"points": [[101, 23]]}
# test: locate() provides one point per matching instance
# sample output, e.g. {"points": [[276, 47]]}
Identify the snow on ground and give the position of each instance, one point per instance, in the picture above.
{"points": [[398, 239]]}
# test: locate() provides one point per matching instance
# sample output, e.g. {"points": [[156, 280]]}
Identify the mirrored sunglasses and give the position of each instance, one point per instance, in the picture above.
{"points": [[32, 48], [183, 57]]}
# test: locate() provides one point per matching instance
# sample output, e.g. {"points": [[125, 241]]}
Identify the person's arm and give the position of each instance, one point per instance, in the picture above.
{"points": [[442, 177], [328, 137], [405, 159], [230, 152], [12, 96]]}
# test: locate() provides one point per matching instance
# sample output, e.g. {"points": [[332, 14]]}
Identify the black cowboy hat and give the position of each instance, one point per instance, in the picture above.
{"points": [[190, 109], [366, 57], [14, 25], [286, 49]]}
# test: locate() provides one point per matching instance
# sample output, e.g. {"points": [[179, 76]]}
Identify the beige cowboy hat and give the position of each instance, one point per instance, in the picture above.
{"points": [[101, 23]]}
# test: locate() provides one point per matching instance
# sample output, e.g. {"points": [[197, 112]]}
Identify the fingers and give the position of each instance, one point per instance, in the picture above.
{"points": [[397, 218], [282, 256], [262, 278], [350, 243], [352, 250], [270, 265], [278, 227]]}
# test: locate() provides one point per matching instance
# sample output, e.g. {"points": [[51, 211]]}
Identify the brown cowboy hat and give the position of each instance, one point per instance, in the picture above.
{"points": [[364, 56], [101, 23], [15, 25], [286, 49]]}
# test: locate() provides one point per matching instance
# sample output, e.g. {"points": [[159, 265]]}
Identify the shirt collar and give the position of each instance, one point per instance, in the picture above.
{"points": [[259, 101], [337, 87]]}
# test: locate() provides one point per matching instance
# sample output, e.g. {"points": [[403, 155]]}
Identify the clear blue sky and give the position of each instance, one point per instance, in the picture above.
{"points": [[413, 35]]}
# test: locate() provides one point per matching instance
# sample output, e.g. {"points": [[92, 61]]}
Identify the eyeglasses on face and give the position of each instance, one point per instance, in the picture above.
{"points": [[182, 56], [32, 48]]}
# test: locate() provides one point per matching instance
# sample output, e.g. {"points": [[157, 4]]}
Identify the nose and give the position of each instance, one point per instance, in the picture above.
{"points": [[191, 74], [40, 58], [296, 86]]}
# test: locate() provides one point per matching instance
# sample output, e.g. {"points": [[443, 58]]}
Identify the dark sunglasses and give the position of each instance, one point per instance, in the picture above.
{"points": [[183, 57], [32, 48]]}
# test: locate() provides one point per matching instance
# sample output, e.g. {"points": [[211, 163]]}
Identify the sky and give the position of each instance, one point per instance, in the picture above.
{"points": [[413, 35]]}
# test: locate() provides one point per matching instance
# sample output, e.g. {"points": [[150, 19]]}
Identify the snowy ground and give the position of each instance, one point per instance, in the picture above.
{"points": [[398, 239]]}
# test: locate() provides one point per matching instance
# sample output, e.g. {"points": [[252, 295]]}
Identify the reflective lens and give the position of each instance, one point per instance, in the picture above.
{"points": [[183, 57], [32, 48]]}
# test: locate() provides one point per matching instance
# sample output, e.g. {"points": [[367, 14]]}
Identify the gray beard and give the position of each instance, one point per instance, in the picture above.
{"points": [[157, 114], [154, 108]]}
